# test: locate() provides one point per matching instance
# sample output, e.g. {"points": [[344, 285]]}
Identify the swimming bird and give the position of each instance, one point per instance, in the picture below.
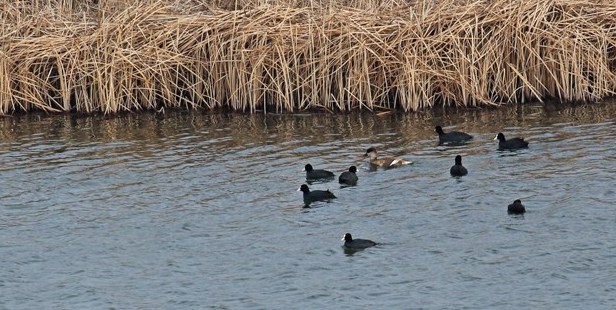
{"points": [[516, 207], [458, 170], [348, 177], [452, 136], [385, 162], [312, 174], [511, 144], [316, 195], [357, 244]]}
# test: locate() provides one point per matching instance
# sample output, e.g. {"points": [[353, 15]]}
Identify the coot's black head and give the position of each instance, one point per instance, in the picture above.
{"points": [[517, 202], [458, 160], [439, 130], [308, 168], [347, 237], [353, 169], [500, 137], [304, 188]]}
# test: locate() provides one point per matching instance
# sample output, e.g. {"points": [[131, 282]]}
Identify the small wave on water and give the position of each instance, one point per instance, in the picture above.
{"points": [[202, 211]]}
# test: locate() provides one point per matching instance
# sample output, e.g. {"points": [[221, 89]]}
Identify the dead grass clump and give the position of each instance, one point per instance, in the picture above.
{"points": [[260, 55]]}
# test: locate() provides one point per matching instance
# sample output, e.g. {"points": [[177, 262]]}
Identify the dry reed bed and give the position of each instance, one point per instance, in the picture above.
{"points": [[115, 56]]}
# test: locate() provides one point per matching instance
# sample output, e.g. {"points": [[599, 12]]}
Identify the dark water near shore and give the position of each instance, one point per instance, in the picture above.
{"points": [[195, 211]]}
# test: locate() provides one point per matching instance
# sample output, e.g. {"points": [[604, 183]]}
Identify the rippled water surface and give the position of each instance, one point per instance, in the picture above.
{"points": [[194, 211]]}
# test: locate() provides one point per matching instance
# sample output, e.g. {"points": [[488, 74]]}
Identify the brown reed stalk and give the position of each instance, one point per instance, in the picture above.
{"points": [[275, 56]]}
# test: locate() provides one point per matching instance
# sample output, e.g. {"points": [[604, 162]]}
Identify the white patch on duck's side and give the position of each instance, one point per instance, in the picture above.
{"points": [[400, 162]]}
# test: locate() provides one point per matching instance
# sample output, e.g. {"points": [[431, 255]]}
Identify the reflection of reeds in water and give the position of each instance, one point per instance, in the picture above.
{"points": [[112, 55]]}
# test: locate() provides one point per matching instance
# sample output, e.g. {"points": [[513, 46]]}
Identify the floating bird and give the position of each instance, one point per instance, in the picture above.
{"points": [[356, 244], [452, 136], [385, 162], [312, 174], [516, 207], [511, 144], [316, 195], [348, 177], [458, 170]]}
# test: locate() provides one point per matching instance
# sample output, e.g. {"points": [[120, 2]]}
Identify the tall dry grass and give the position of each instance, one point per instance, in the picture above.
{"points": [[274, 55]]}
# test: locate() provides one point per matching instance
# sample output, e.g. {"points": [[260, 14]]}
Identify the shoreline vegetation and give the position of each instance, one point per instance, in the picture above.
{"points": [[262, 56]]}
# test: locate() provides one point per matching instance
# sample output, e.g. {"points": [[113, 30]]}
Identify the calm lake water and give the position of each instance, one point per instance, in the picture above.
{"points": [[198, 211]]}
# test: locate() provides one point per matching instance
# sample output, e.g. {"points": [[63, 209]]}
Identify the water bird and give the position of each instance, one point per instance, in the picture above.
{"points": [[316, 174], [452, 136], [511, 144], [385, 162], [357, 244], [348, 177], [516, 207], [315, 195], [458, 170]]}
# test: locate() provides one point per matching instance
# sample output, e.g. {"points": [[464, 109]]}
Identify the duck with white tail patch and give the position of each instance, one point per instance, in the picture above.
{"points": [[385, 162]]}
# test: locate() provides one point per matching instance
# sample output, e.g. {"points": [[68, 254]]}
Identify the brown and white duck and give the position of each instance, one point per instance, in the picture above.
{"points": [[385, 162]]}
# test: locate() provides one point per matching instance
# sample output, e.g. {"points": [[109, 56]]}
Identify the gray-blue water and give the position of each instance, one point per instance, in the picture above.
{"points": [[195, 211]]}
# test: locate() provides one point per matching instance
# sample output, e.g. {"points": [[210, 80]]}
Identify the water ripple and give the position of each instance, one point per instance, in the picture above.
{"points": [[201, 211]]}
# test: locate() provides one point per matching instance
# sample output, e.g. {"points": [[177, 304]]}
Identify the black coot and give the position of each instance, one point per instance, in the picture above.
{"points": [[349, 177], [511, 144], [316, 174], [316, 195], [452, 136], [516, 207], [458, 170], [351, 243]]}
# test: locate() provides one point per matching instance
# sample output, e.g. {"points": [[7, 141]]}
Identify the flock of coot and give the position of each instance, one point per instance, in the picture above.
{"points": [[349, 178]]}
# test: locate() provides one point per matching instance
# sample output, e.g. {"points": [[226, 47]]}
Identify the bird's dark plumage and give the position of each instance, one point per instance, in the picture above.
{"points": [[452, 136], [351, 243], [315, 174], [511, 144], [316, 195], [516, 207], [458, 170], [349, 177]]}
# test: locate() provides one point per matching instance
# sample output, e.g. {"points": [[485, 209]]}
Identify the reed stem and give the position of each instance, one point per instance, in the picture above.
{"points": [[273, 55]]}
